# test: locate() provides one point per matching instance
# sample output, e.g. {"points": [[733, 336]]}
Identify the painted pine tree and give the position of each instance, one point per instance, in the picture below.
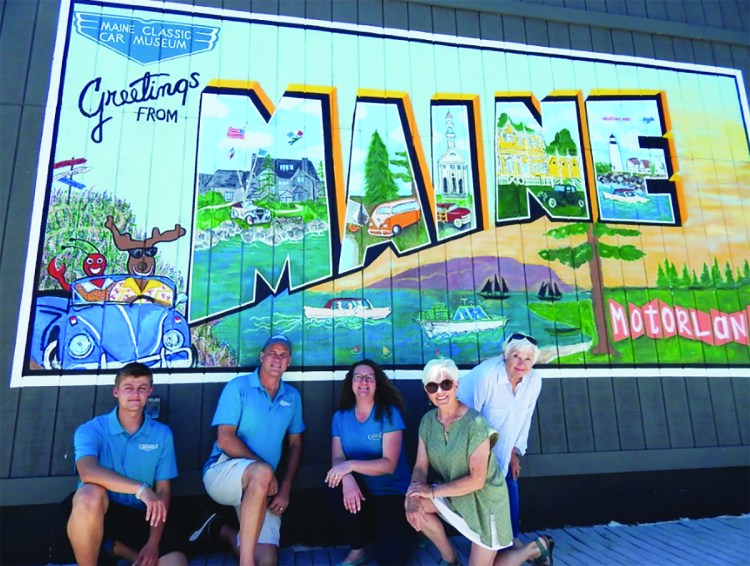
{"points": [[591, 252], [380, 185]]}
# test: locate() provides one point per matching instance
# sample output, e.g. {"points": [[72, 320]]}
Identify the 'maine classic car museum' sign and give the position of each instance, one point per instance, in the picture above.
{"points": [[208, 177]]}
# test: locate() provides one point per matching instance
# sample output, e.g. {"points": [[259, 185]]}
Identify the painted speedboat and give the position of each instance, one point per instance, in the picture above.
{"points": [[625, 195], [436, 322], [343, 307]]}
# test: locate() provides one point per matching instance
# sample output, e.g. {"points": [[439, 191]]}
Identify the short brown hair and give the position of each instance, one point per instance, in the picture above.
{"points": [[134, 369]]}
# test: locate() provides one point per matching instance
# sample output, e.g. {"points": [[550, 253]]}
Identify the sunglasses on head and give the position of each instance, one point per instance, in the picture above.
{"points": [[521, 336], [445, 385]]}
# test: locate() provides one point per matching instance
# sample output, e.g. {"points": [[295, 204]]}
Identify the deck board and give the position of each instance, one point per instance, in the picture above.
{"points": [[637, 545], [683, 541], [706, 536], [721, 541], [663, 546]]}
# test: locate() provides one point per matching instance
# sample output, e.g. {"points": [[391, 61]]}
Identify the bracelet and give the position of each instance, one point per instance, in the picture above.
{"points": [[139, 493]]}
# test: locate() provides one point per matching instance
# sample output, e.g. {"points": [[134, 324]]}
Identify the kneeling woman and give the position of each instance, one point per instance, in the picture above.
{"points": [[455, 441], [369, 465]]}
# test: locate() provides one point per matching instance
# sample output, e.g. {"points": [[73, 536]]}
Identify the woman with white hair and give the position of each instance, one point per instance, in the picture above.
{"points": [[505, 391], [471, 496]]}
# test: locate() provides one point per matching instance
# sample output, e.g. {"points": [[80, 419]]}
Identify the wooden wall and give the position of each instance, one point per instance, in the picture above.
{"points": [[582, 426]]}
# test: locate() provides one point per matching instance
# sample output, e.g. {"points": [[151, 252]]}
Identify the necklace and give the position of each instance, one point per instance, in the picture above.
{"points": [[447, 421]]}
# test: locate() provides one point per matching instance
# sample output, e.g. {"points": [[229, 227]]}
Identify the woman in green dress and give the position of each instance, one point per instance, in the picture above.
{"points": [[455, 440]]}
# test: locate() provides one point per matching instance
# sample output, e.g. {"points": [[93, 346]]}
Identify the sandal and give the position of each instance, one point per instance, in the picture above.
{"points": [[456, 562], [546, 553]]}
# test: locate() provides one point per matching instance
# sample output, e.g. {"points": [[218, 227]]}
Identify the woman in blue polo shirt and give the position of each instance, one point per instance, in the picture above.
{"points": [[370, 476]]}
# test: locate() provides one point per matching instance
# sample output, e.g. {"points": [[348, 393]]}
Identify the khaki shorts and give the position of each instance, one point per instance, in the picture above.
{"points": [[223, 482]]}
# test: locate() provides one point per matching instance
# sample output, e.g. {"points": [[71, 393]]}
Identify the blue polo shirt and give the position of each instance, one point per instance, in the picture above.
{"points": [[146, 456], [261, 422], [364, 441]]}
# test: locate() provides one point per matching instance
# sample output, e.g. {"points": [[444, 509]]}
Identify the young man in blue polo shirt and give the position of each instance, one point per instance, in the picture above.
{"points": [[125, 461], [254, 414]]}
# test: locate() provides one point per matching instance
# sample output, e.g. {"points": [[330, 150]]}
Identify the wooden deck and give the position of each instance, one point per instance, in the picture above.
{"points": [[721, 541]]}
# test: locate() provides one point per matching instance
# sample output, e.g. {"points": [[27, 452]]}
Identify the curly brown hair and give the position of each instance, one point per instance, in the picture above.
{"points": [[386, 394]]}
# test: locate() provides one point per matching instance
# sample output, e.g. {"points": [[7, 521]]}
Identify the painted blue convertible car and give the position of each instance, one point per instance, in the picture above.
{"points": [[111, 320]]}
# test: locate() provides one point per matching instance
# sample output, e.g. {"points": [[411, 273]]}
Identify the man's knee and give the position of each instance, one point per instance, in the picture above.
{"points": [[91, 500], [258, 474]]}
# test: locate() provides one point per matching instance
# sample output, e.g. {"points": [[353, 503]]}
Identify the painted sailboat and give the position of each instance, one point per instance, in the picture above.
{"points": [[549, 291], [437, 322], [495, 289]]}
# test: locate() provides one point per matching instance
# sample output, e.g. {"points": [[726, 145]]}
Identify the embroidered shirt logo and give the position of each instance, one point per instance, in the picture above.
{"points": [[148, 447], [375, 436], [284, 403], [146, 41]]}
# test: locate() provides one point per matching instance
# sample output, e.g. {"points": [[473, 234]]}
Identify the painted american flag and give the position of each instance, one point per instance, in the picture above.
{"points": [[236, 133]]}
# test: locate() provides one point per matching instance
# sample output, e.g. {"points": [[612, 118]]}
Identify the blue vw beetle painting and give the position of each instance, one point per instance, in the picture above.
{"points": [[110, 321]]}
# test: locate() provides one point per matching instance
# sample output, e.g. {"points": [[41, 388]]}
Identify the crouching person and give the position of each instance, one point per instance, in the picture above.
{"points": [[125, 461]]}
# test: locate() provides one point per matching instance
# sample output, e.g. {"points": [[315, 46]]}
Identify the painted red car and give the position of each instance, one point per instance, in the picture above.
{"points": [[453, 214]]}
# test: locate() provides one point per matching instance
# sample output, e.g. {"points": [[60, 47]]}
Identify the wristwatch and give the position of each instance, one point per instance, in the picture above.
{"points": [[139, 493]]}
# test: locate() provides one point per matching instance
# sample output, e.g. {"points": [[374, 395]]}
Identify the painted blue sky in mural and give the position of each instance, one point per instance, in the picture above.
{"points": [[555, 116], [220, 150], [368, 118], [626, 120]]}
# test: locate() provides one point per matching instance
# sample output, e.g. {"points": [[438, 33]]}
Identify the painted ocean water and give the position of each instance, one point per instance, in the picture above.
{"points": [[397, 340], [223, 276]]}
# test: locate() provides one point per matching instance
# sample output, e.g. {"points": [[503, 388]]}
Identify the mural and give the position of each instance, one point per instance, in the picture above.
{"points": [[205, 180]]}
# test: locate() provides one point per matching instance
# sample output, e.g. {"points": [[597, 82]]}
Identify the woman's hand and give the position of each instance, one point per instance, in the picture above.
{"points": [[414, 512], [337, 473], [419, 489], [514, 465], [353, 497]]}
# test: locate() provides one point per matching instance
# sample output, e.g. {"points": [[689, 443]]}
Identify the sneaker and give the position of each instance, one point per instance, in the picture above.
{"points": [[208, 531]]}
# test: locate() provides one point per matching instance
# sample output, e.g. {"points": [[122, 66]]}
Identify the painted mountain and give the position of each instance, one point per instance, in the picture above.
{"points": [[468, 274]]}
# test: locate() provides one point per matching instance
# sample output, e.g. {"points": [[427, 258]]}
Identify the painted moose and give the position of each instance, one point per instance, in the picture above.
{"points": [[142, 253]]}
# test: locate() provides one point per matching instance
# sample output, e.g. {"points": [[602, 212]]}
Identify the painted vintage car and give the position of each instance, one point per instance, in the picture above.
{"points": [[451, 213], [250, 212], [562, 194], [390, 218], [111, 320]]}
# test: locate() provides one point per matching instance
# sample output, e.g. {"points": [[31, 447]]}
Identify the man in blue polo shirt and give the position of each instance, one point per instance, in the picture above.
{"points": [[254, 414], [125, 461]]}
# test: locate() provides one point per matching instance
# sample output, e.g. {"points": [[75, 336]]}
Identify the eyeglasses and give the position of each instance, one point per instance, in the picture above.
{"points": [[522, 336], [366, 377], [138, 253], [432, 387]]}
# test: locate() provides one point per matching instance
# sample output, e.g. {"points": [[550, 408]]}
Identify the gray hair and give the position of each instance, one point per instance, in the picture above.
{"points": [[435, 367], [522, 345]]}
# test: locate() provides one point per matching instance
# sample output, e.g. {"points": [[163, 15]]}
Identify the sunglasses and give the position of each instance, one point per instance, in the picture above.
{"points": [[138, 253], [445, 385], [521, 336]]}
